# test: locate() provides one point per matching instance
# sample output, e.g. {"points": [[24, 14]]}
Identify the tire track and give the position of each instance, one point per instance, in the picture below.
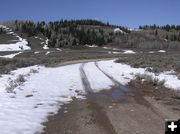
{"points": [[98, 114], [86, 84], [111, 78], [117, 84]]}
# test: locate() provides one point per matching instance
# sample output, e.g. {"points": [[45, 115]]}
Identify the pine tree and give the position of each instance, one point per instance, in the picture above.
{"points": [[167, 37], [74, 43], [156, 32]]}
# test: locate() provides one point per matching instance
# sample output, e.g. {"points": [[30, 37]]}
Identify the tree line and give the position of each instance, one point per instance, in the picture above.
{"points": [[165, 27], [2, 31]]}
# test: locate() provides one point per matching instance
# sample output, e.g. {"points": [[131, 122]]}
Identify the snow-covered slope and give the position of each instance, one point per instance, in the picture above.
{"points": [[20, 45]]}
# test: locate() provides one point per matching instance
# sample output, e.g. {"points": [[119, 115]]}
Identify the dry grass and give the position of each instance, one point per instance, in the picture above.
{"points": [[148, 79], [12, 84], [158, 61]]}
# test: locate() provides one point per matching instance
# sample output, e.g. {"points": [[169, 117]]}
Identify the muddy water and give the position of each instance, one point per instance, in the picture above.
{"points": [[87, 116], [117, 93]]}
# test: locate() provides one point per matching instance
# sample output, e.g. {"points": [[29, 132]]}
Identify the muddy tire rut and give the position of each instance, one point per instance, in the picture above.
{"points": [[101, 113]]}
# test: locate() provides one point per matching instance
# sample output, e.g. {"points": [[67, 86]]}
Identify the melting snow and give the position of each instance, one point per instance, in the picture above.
{"points": [[161, 51], [97, 79], [91, 45], [10, 55], [116, 52], [118, 30], [42, 93], [20, 45], [48, 52], [151, 52], [129, 52], [37, 52], [45, 89], [58, 49], [120, 72], [46, 44]]}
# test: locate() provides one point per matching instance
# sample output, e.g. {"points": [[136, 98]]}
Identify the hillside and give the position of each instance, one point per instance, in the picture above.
{"points": [[72, 33], [69, 33]]}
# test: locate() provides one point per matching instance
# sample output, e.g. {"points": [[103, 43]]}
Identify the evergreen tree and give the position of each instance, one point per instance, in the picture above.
{"points": [[156, 32]]}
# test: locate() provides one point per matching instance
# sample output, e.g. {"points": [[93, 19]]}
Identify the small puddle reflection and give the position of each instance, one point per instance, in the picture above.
{"points": [[119, 93]]}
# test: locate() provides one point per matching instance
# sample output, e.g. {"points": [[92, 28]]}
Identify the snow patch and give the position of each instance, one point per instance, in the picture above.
{"points": [[37, 52], [58, 49], [43, 93], [91, 45], [120, 72], [10, 55], [20, 45], [115, 49], [106, 47], [161, 51], [48, 52], [46, 44], [129, 52], [118, 30], [116, 52], [124, 74], [151, 52]]}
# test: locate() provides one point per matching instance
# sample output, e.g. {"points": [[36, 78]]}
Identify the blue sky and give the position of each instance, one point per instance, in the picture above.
{"points": [[129, 13]]}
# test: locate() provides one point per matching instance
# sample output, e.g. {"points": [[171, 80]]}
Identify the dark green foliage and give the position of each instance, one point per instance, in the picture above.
{"points": [[30, 28], [156, 32], [70, 32], [166, 27], [2, 31], [167, 37]]}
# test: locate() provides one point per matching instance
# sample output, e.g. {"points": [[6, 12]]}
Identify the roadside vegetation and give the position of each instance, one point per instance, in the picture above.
{"points": [[148, 79], [156, 62]]}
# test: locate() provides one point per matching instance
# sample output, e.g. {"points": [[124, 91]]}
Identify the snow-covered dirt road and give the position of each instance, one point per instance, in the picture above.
{"points": [[29, 95]]}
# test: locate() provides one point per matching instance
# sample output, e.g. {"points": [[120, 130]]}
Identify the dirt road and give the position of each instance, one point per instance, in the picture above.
{"points": [[135, 109]]}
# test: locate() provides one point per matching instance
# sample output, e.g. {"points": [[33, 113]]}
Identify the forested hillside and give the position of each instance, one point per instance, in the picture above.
{"points": [[169, 32], [70, 33], [66, 33]]}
